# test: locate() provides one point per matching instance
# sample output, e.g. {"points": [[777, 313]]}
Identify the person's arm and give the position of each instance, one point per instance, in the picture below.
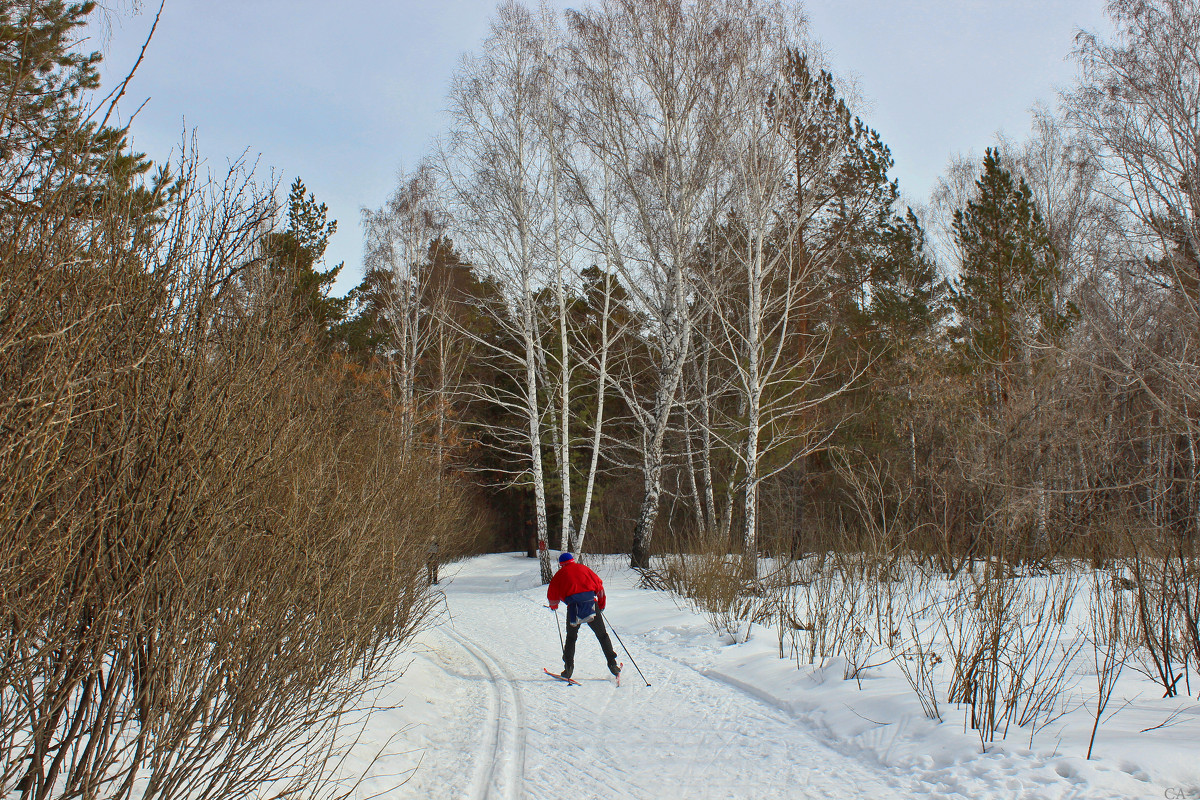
{"points": [[552, 596]]}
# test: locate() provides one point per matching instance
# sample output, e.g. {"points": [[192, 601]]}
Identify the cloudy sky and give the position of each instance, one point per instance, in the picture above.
{"points": [[346, 94]]}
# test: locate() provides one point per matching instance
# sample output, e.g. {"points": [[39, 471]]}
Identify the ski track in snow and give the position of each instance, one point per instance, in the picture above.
{"points": [[500, 762]]}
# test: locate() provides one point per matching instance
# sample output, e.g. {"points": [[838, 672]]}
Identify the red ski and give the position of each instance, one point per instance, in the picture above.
{"points": [[557, 676]]}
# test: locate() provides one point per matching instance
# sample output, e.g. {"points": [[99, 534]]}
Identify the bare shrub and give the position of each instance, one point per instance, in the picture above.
{"points": [[821, 606], [1165, 611], [1108, 634], [713, 581], [210, 526], [1003, 635], [915, 652], [910, 633]]}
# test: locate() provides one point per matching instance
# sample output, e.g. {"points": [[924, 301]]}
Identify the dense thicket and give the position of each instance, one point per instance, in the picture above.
{"points": [[213, 528]]}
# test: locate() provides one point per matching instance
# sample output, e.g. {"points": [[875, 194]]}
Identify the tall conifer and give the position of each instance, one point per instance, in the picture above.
{"points": [[1005, 294]]}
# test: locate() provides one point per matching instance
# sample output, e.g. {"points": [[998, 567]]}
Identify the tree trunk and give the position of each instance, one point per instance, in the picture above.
{"points": [[664, 402], [706, 444], [533, 418], [601, 386], [753, 407], [639, 557]]}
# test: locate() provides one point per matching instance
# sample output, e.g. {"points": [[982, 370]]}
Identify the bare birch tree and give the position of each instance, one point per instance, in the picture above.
{"points": [[499, 174], [599, 289], [397, 238], [771, 277], [653, 109], [562, 247], [1139, 102]]}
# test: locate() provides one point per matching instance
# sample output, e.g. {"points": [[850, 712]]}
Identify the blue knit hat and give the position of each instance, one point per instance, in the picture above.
{"points": [[565, 557]]}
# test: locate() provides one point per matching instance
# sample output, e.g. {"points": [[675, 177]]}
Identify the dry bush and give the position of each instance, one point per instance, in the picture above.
{"points": [[876, 500], [914, 649], [913, 616], [1165, 605], [1004, 637], [1109, 620], [822, 608], [713, 581], [209, 528]]}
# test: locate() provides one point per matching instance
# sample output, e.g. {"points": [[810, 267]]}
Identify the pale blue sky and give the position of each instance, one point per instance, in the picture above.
{"points": [[346, 93]]}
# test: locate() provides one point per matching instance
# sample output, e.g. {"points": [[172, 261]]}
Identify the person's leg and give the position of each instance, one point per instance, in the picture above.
{"points": [[597, 626], [569, 650]]}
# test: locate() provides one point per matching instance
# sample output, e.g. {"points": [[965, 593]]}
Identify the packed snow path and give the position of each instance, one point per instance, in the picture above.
{"points": [[473, 717], [685, 736]]}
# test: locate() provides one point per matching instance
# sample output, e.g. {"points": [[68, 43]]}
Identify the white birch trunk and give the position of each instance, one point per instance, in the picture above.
{"points": [[669, 377], [601, 389], [706, 469], [564, 434], [534, 421], [754, 312], [690, 469]]}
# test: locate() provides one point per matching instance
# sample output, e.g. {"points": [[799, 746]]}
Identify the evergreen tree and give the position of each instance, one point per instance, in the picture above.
{"points": [[49, 146], [44, 77], [908, 297], [361, 334], [298, 251], [1008, 274], [874, 289], [872, 261]]}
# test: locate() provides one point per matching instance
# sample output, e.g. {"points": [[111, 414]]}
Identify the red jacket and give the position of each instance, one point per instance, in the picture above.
{"points": [[572, 578]]}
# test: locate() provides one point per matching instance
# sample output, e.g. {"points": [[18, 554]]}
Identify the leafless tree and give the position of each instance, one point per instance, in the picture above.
{"points": [[205, 553], [771, 277], [500, 172], [562, 249], [655, 106], [397, 238], [1139, 103], [597, 359]]}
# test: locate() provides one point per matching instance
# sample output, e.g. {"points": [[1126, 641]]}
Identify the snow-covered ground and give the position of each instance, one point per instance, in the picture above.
{"points": [[473, 716]]}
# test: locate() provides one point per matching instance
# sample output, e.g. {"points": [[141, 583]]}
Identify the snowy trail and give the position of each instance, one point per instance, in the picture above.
{"points": [[686, 736], [500, 761], [473, 717]]}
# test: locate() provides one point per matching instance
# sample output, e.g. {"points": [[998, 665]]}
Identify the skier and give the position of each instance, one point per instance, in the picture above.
{"points": [[583, 592]]}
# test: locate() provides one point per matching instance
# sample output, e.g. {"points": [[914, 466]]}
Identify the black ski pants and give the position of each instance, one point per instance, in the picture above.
{"points": [[597, 626]]}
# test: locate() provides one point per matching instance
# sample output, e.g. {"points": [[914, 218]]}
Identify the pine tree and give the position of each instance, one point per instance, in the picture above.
{"points": [[49, 146], [44, 77], [1006, 290], [299, 249], [908, 297]]}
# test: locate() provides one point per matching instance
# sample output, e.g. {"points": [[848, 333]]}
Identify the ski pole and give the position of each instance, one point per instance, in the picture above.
{"points": [[626, 649], [558, 626]]}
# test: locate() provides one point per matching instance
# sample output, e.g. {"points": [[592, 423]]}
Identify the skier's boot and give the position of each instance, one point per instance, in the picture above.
{"points": [[614, 667], [567, 670]]}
